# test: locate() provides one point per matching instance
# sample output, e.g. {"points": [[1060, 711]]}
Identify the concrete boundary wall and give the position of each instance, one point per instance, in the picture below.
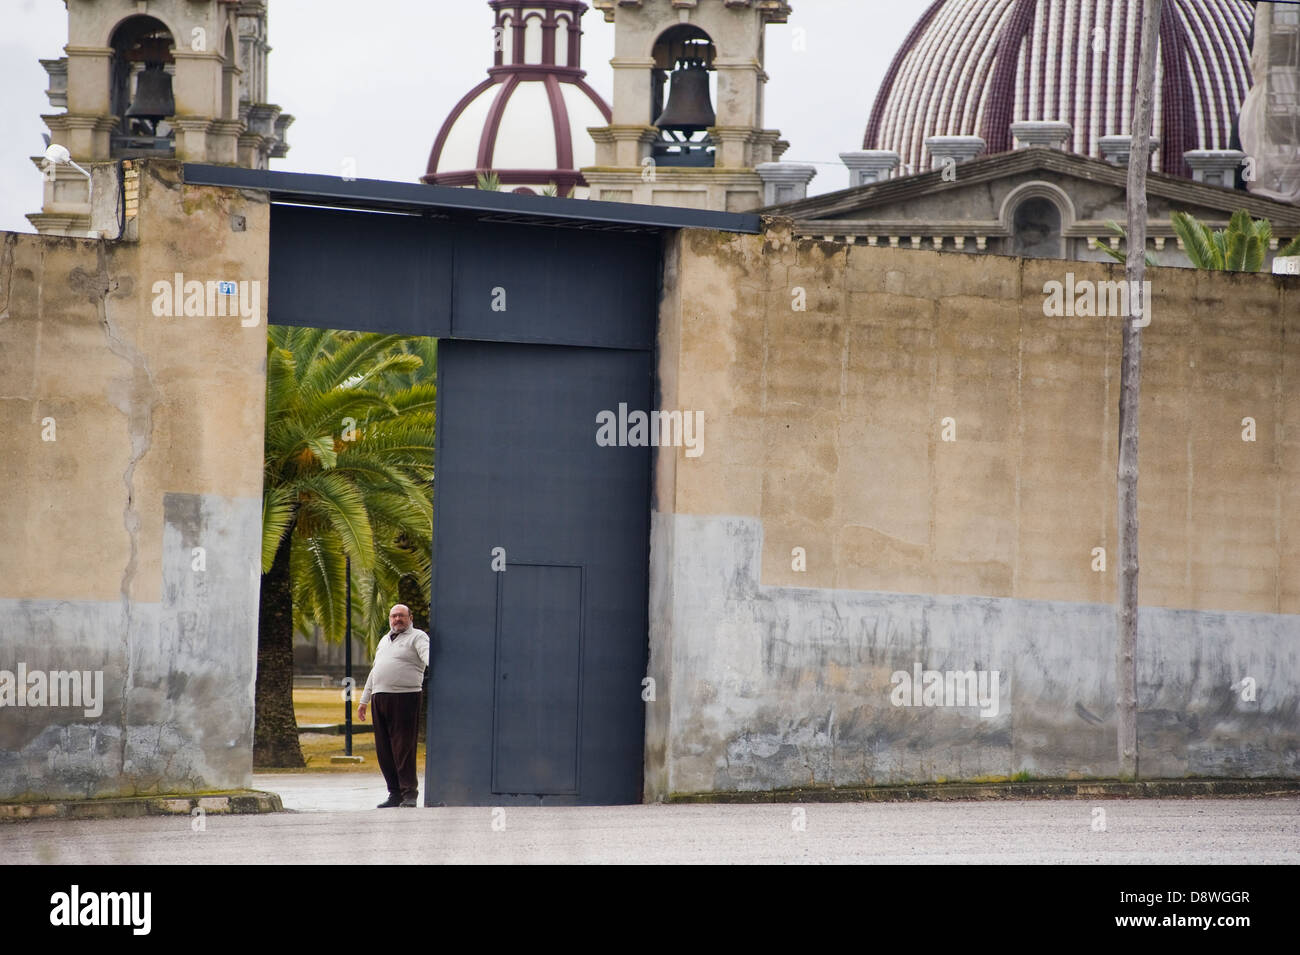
{"points": [[130, 518], [830, 536]]}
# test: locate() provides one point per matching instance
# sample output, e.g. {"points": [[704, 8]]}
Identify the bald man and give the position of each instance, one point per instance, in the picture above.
{"points": [[396, 677]]}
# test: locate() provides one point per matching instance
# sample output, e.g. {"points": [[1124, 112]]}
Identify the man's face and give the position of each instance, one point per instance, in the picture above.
{"points": [[399, 618]]}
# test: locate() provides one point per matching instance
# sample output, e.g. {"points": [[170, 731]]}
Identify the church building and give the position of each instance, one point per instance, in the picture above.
{"points": [[1002, 126]]}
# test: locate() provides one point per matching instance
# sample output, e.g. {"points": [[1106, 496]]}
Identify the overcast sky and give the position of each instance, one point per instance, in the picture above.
{"points": [[374, 81]]}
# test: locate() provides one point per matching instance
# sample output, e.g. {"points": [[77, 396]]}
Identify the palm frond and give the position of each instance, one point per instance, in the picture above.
{"points": [[1219, 239], [395, 364], [1234, 250], [1120, 255], [322, 446], [348, 359], [1264, 229], [335, 501], [1253, 257], [1240, 221], [417, 398], [1196, 238], [320, 576], [277, 518]]}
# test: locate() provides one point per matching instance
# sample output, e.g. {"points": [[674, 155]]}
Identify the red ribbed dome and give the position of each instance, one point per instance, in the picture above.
{"points": [[973, 67], [528, 121]]}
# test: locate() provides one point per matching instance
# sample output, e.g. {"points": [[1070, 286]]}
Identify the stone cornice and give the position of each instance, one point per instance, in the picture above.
{"points": [[990, 168], [772, 11], [615, 132], [61, 121], [668, 175]]}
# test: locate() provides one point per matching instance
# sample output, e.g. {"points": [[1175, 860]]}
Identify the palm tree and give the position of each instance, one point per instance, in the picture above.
{"points": [[1119, 255], [1239, 248], [347, 465], [405, 542]]}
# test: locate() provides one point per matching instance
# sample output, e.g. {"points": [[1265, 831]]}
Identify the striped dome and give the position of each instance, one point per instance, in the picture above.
{"points": [[527, 122], [973, 67]]}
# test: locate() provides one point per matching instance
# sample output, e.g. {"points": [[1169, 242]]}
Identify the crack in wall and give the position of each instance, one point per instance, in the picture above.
{"points": [[136, 404], [7, 273]]}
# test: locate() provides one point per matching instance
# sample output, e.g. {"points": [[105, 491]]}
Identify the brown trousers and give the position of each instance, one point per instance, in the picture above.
{"points": [[397, 724]]}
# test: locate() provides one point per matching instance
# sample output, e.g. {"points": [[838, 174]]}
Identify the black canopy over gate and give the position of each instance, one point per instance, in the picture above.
{"points": [[547, 312]]}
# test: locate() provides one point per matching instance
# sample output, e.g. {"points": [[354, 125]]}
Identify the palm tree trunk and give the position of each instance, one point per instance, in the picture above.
{"points": [[275, 732]]}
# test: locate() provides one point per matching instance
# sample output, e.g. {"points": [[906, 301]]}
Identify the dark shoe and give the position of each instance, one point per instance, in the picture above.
{"points": [[392, 802], [410, 802]]}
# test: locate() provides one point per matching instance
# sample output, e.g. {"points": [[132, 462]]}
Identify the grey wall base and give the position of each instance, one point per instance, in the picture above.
{"points": [[178, 675], [779, 687]]}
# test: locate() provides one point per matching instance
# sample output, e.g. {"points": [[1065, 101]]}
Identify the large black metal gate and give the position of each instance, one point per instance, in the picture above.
{"points": [[540, 581], [546, 310]]}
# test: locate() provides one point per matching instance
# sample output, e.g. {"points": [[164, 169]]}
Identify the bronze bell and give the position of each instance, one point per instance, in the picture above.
{"points": [[689, 108], [153, 95]]}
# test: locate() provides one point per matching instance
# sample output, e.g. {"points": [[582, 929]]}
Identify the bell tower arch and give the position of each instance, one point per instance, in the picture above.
{"points": [[688, 126], [182, 79]]}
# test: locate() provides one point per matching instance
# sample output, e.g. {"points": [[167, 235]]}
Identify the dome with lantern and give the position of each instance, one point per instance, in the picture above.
{"points": [[527, 122]]}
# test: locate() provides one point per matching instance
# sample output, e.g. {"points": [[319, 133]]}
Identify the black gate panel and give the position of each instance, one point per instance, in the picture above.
{"points": [[519, 283], [445, 277], [364, 271], [535, 672]]}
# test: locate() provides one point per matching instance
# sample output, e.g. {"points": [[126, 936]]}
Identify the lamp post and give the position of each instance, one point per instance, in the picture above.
{"points": [[57, 155], [347, 657]]}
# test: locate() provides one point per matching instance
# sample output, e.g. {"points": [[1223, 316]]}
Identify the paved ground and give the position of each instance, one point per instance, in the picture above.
{"points": [[327, 792], [331, 826]]}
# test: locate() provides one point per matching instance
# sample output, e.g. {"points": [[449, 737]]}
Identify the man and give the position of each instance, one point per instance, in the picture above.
{"points": [[395, 680]]}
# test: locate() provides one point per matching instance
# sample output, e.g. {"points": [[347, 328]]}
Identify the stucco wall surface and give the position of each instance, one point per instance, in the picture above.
{"points": [[131, 504], [907, 461]]}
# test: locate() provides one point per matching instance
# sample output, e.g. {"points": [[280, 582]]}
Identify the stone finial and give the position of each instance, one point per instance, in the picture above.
{"points": [[784, 181], [57, 70], [1053, 135], [1116, 149], [1214, 167], [869, 165], [956, 148]]}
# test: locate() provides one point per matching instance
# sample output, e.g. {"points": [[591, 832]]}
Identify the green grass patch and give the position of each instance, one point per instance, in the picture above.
{"points": [[325, 705]]}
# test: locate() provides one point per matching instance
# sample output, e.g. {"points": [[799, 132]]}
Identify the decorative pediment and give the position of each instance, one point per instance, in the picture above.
{"points": [[976, 191]]}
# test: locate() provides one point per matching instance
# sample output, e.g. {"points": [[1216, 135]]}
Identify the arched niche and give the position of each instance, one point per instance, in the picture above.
{"points": [[139, 43], [682, 52], [503, 40], [563, 42], [1036, 216], [229, 76], [533, 37]]}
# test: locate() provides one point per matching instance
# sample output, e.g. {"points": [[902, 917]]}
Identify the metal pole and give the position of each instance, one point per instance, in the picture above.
{"points": [[347, 658]]}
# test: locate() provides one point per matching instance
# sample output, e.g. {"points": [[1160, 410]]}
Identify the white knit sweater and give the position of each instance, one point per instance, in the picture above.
{"points": [[399, 664]]}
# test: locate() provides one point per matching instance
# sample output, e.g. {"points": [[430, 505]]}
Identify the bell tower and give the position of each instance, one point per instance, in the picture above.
{"points": [[687, 126], [175, 79]]}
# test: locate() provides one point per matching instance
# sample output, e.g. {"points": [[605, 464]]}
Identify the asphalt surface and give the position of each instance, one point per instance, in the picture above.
{"points": [[327, 826]]}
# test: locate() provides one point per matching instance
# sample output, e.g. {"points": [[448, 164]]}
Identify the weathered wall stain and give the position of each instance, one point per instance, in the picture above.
{"points": [[823, 372], [157, 451]]}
